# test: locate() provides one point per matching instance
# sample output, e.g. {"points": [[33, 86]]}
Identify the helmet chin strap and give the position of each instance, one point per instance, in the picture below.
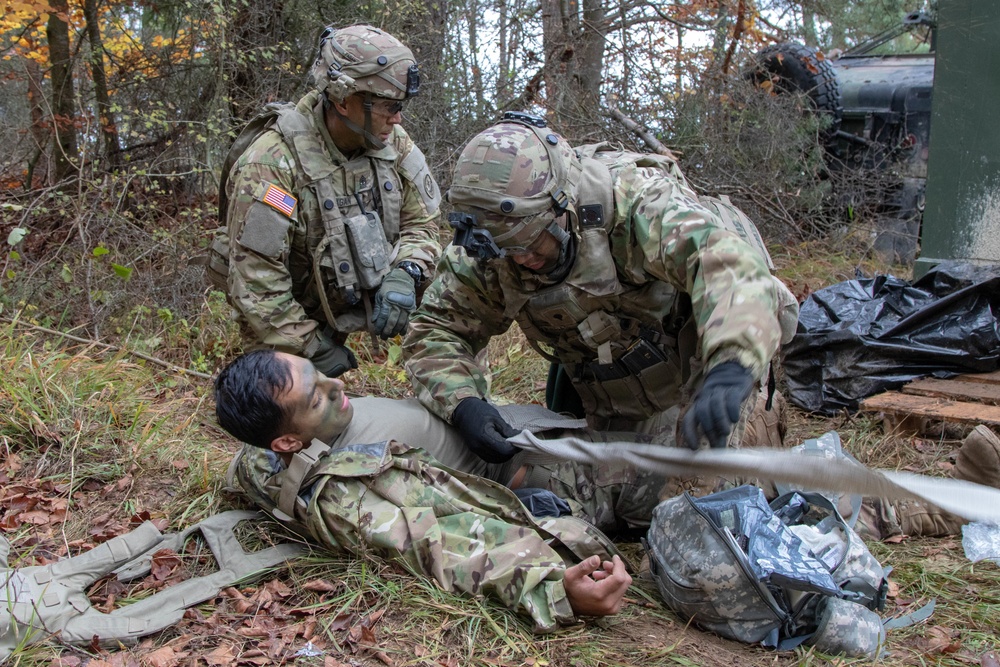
{"points": [[565, 256], [371, 141]]}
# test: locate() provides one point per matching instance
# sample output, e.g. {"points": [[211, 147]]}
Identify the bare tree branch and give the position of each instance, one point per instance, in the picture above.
{"points": [[641, 132]]}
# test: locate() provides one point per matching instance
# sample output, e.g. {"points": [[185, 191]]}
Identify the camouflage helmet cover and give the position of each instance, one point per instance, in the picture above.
{"points": [[516, 177], [364, 59]]}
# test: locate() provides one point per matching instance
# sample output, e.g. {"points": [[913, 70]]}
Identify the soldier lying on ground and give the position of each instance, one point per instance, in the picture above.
{"points": [[448, 515], [465, 531]]}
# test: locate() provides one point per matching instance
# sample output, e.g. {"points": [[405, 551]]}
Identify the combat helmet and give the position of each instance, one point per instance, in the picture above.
{"points": [[511, 183], [364, 59]]}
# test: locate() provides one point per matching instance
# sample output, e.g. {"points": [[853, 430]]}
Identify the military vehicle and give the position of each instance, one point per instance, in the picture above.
{"points": [[878, 106]]}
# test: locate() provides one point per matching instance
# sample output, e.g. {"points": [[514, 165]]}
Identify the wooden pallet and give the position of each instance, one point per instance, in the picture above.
{"points": [[965, 400]]}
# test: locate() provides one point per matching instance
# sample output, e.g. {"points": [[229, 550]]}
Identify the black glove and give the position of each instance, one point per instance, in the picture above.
{"points": [[333, 360], [542, 502], [485, 432], [394, 301], [716, 406]]}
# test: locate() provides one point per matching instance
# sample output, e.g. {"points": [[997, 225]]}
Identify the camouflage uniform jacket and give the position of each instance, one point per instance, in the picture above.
{"points": [[630, 270], [467, 533], [278, 257]]}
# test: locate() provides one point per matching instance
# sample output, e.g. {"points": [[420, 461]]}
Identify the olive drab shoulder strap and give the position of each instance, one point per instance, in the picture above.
{"points": [[601, 163], [217, 261], [257, 126], [303, 461], [595, 206]]}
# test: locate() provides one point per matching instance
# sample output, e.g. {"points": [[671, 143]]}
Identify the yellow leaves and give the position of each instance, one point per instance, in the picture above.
{"points": [[40, 57], [28, 7]]}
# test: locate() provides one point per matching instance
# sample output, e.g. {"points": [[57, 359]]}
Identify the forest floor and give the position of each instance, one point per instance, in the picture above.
{"points": [[93, 442]]}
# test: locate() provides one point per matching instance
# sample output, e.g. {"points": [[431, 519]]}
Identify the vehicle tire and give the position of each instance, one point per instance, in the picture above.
{"points": [[794, 68]]}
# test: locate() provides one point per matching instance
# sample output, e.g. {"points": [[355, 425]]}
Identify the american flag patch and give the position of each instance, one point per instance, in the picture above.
{"points": [[278, 199]]}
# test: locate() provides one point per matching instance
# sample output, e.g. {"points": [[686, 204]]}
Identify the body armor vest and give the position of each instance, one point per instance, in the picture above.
{"points": [[351, 211], [625, 339]]}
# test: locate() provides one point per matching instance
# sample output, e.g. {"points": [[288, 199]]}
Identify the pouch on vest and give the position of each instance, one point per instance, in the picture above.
{"points": [[755, 572], [217, 266], [369, 247], [644, 381]]}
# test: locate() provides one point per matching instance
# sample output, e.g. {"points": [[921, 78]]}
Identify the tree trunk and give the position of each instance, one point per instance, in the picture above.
{"points": [[809, 28], [63, 102], [423, 27], [38, 167], [109, 129], [472, 13], [251, 84], [721, 34], [574, 60]]}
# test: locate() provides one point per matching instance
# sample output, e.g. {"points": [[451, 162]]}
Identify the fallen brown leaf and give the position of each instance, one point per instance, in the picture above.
{"points": [[939, 640], [254, 657], [323, 586], [342, 622], [162, 657], [164, 563], [278, 588], [373, 618], [221, 656], [139, 518], [254, 631], [122, 660]]}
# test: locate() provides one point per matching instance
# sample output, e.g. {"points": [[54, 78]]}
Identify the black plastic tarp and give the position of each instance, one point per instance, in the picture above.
{"points": [[861, 337]]}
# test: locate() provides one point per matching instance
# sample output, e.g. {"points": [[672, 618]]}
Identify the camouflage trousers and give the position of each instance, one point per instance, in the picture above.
{"points": [[612, 497]]}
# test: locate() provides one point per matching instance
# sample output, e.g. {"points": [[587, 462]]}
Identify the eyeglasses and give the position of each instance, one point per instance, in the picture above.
{"points": [[387, 107]]}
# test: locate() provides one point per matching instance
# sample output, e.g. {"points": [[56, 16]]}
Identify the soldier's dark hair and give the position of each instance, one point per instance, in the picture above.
{"points": [[246, 394]]}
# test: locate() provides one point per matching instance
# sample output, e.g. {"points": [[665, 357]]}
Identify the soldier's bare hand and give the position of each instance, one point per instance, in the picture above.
{"points": [[596, 588]]}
